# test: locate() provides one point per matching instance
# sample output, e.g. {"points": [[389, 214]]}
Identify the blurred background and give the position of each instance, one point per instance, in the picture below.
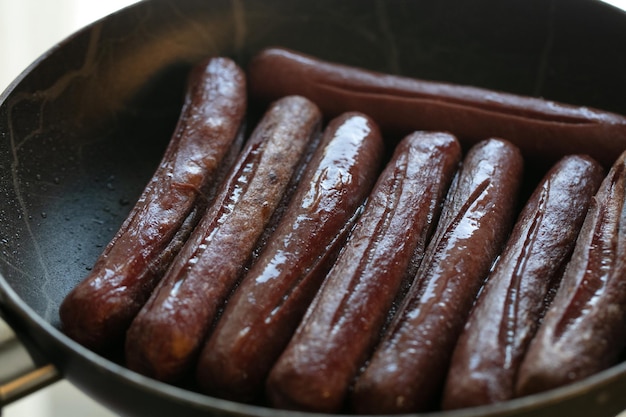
{"points": [[28, 28]]}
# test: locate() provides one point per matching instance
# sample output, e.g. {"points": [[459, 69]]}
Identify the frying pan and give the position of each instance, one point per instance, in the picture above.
{"points": [[83, 128]]}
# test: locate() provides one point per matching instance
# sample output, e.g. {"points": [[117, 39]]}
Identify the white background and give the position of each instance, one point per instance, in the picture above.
{"points": [[28, 28]]}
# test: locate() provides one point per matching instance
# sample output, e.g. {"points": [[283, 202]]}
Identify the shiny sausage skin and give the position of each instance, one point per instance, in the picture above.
{"points": [[98, 311], [262, 314], [506, 315], [408, 368], [542, 129], [165, 337], [337, 334], [584, 330]]}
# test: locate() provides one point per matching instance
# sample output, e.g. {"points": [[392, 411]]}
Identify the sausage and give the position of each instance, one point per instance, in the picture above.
{"points": [[165, 337], [344, 322], [408, 368], [584, 330], [544, 130], [506, 315], [262, 314], [98, 311]]}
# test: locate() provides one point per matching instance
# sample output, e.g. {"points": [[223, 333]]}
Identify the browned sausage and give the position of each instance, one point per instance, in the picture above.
{"points": [[345, 320], [262, 314], [584, 330], [97, 312], [408, 368], [543, 129], [505, 318], [166, 335]]}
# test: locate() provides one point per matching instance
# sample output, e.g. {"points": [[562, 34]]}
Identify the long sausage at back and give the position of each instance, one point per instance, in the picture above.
{"points": [[544, 130]]}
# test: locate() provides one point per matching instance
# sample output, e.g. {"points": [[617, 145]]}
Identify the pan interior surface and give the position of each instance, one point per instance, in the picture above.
{"points": [[82, 130]]}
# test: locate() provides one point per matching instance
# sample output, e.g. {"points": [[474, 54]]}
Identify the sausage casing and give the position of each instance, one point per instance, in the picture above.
{"points": [[262, 314], [166, 335], [407, 370], [98, 311], [543, 129], [584, 330], [488, 353], [345, 319]]}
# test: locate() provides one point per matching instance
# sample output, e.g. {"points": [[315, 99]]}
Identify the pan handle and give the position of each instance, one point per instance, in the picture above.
{"points": [[19, 376]]}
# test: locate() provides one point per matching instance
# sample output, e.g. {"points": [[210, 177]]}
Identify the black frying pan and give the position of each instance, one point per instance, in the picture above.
{"points": [[83, 128]]}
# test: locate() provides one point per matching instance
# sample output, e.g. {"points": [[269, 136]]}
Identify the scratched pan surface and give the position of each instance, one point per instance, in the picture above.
{"points": [[84, 127]]}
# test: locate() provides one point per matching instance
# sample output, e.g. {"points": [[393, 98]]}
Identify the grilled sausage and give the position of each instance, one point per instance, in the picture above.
{"points": [[165, 337], [262, 314], [97, 312], [505, 318], [408, 368], [542, 129], [584, 330], [345, 320]]}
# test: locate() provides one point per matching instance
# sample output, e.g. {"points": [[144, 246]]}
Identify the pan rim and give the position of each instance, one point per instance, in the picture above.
{"points": [[22, 315]]}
